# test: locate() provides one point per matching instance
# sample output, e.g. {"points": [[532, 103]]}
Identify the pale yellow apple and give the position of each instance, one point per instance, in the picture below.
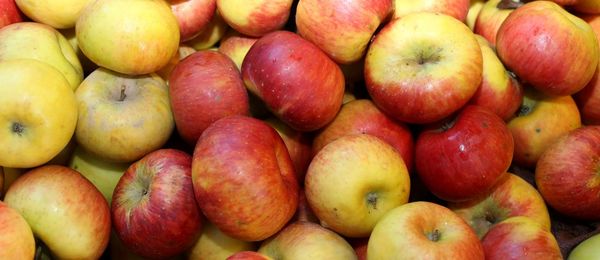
{"points": [[122, 118], [474, 8], [39, 113], [41, 42], [214, 244], [128, 36], [215, 30], [103, 174], [16, 237], [59, 14], [86, 64]]}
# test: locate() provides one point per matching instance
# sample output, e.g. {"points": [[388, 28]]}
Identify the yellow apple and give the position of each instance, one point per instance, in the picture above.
{"points": [[86, 64], [215, 30], [59, 14], [214, 244], [39, 113]]}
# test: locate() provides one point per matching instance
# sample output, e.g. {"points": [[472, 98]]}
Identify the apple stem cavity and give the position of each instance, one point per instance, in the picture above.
{"points": [[17, 128], [434, 236], [372, 200]]}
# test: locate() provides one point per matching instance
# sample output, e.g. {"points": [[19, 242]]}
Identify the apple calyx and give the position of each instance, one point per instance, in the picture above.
{"points": [[491, 216], [372, 200], [17, 128], [139, 190], [434, 235], [526, 107], [511, 4]]}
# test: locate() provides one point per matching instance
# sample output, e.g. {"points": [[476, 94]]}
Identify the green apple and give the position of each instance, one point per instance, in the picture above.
{"points": [[59, 14], [16, 237], [588, 249], [214, 244]]}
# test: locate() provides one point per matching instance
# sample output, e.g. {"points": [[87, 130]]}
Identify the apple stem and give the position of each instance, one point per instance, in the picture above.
{"points": [[123, 96]]}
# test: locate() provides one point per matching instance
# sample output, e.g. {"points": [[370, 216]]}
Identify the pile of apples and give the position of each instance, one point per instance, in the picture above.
{"points": [[310, 129]]}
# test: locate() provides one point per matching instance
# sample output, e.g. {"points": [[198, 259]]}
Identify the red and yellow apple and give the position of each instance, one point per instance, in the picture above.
{"points": [[255, 17], [236, 46], [455, 8], [192, 16], [298, 145], [492, 15], [588, 99], [215, 30], [16, 239], [474, 10]]}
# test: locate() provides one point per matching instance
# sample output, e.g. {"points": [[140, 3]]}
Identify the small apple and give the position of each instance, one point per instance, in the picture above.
{"points": [[61, 14], [255, 17], [248, 255], [9, 13], [298, 145], [214, 244], [417, 78], [428, 231], [193, 16], [455, 8], [236, 46], [492, 15], [588, 99], [64, 210], [213, 33], [16, 240], [587, 249]]}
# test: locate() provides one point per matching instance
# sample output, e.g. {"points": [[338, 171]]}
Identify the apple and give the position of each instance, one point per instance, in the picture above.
{"points": [[9, 13], [244, 178], [588, 98], [405, 57], [110, 33], [510, 197], [214, 31], [28, 40], [475, 7], [182, 52], [587, 6], [203, 88], [17, 238], [306, 240], [248, 255], [554, 51], [492, 15], [566, 174], [297, 81], [154, 211], [64, 210], [342, 29], [541, 120], [60, 14], [39, 113], [214, 244], [465, 156], [429, 231], [455, 8], [255, 17], [499, 92], [236, 46], [192, 16], [520, 238], [355, 180], [298, 145], [586, 249], [111, 124]]}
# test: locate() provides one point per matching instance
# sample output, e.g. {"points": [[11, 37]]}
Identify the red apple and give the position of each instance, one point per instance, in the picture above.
{"points": [[491, 16], [9, 13], [567, 174], [588, 99], [455, 8], [255, 17], [244, 178], [341, 28], [423, 67], [236, 46], [363, 117], [192, 16], [248, 255], [16, 237], [154, 211], [298, 145], [465, 156], [546, 46], [297, 81], [203, 88]]}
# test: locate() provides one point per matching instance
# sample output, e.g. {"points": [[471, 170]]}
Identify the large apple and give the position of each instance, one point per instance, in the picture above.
{"points": [[588, 99], [363, 117], [255, 17], [298, 145], [236, 46], [306, 240], [297, 81], [205, 87], [492, 15], [343, 29], [465, 156], [128, 36], [193, 16], [541, 120], [587, 249], [64, 210], [428, 231], [60, 14], [16, 239], [9, 13], [546, 46], [214, 244], [121, 117], [423, 67], [39, 113], [353, 181], [154, 211], [244, 178], [510, 197], [567, 174], [455, 8]]}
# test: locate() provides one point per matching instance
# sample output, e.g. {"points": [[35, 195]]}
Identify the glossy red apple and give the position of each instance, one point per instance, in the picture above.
{"points": [[244, 178], [297, 81], [465, 156], [9, 13], [192, 16], [588, 99]]}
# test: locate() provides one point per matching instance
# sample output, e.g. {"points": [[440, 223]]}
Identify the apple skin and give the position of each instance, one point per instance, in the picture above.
{"points": [[361, 116], [255, 17], [455, 8], [64, 210], [192, 16], [404, 57], [342, 29], [236, 46], [298, 145], [489, 20], [154, 211], [567, 174], [355, 180], [248, 255], [465, 157], [429, 231], [214, 244], [475, 7], [244, 179], [106, 33], [520, 238], [213, 33], [588, 99], [499, 91], [17, 238], [541, 120], [306, 240], [39, 113], [533, 40], [587, 249], [60, 14], [203, 88], [510, 197], [587, 6], [9, 13], [297, 81]]}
